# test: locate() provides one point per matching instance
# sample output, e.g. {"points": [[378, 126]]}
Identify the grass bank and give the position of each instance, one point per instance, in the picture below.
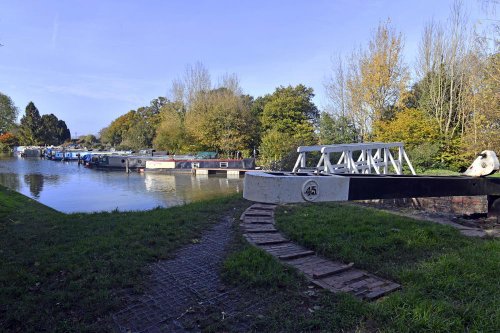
{"points": [[61, 272], [450, 282]]}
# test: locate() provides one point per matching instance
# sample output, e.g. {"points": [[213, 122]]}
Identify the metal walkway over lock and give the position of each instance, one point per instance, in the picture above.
{"points": [[356, 158]]}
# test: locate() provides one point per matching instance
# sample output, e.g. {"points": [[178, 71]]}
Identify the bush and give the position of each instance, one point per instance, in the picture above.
{"points": [[424, 156]]}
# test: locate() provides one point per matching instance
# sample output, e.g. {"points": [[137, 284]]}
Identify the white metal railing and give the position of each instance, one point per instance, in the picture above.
{"points": [[375, 157]]}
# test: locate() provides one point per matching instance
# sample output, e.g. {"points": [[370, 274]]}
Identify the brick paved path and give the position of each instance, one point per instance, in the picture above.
{"points": [[188, 283]]}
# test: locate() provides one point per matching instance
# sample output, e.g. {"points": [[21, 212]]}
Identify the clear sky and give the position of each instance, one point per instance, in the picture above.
{"points": [[90, 61]]}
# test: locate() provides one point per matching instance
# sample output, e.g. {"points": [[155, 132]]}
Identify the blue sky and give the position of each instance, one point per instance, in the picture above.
{"points": [[90, 61]]}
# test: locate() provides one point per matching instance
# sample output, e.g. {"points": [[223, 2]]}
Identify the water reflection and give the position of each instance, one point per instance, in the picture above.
{"points": [[187, 188], [69, 188], [10, 180], [35, 183]]}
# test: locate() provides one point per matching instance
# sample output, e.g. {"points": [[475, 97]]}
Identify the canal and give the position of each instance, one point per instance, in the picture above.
{"points": [[70, 188]]}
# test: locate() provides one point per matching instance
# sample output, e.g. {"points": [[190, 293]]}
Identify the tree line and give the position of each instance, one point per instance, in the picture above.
{"points": [[203, 116], [446, 112], [33, 130]]}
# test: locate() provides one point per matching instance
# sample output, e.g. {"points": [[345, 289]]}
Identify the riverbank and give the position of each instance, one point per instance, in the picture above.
{"points": [[61, 272], [65, 272]]}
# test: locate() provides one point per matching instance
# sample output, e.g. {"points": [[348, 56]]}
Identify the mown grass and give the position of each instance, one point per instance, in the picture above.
{"points": [[291, 305], [62, 272], [439, 172], [450, 282]]}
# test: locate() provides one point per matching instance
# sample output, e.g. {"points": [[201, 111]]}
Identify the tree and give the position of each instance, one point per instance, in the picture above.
{"points": [[458, 84], [278, 150], [336, 89], [411, 126], [171, 133], [7, 141], [50, 130], [369, 87], [114, 133], [87, 140], [442, 69], [336, 130], [289, 107], [221, 120], [31, 126], [288, 113], [417, 131], [8, 113], [63, 132]]}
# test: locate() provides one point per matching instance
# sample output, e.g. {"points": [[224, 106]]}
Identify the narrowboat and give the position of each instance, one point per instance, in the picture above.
{"points": [[179, 165]]}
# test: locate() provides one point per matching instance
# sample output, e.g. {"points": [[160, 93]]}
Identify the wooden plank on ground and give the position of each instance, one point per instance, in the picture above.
{"points": [[335, 276]]}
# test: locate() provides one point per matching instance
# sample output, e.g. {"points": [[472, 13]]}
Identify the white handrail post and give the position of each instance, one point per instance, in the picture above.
{"points": [[409, 163], [386, 162]]}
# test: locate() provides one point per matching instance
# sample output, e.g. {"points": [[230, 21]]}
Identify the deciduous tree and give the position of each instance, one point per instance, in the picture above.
{"points": [[336, 130], [8, 113], [369, 87], [288, 112]]}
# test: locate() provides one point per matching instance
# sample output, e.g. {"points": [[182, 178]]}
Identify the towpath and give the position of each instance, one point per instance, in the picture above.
{"points": [[186, 292]]}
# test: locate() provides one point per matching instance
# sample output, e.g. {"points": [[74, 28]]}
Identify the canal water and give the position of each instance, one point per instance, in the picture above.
{"points": [[70, 188]]}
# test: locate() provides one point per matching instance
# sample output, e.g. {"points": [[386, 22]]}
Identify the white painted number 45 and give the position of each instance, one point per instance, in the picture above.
{"points": [[310, 190]]}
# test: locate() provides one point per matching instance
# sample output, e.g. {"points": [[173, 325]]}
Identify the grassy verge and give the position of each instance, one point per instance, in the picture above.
{"points": [[439, 172], [60, 272], [450, 282], [291, 305]]}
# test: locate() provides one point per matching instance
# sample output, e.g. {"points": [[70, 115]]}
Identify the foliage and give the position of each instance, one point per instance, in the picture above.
{"points": [[411, 126], [53, 130], [8, 113], [88, 140], [171, 134], [425, 156], [42, 130], [30, 129], [63, 132], [288, 120], [483, 131], [221, 120], [288, 107], [369, 88], [114, 133], [278, 150], [8, 141], [336, 129]]}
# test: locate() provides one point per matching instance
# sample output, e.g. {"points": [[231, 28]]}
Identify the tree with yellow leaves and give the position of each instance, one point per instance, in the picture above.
{"points": [[372, 82]]}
